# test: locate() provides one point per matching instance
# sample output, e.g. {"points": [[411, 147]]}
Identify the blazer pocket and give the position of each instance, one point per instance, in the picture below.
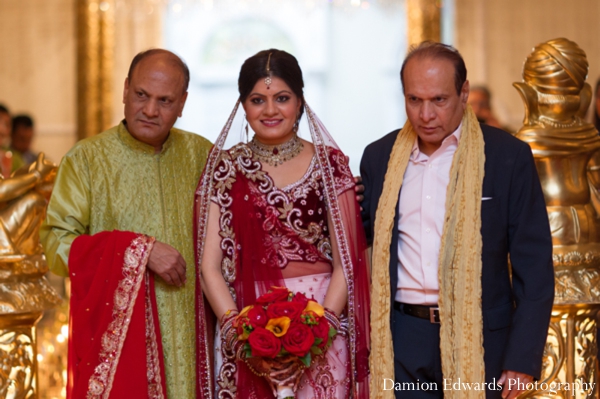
{"points": [[489, 203], [498, 317]]}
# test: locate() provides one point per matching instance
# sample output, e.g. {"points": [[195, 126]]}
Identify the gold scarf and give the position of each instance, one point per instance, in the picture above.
{"points": [[459, 274]]}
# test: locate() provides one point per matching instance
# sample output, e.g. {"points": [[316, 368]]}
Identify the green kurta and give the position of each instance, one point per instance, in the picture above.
{"points": [[114, 182]]}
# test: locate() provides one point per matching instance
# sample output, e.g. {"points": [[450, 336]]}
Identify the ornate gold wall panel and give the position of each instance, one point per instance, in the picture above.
{"points": [[423, 20], [95, 58]]}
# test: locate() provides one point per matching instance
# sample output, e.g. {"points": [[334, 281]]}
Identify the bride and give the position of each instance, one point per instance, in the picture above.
{"points": [[279, 210]]}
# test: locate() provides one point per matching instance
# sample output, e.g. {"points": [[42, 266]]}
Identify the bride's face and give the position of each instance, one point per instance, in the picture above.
{"points": [[272, 111]]}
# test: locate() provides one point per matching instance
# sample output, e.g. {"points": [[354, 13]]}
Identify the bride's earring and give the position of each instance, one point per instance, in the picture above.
{"points": [[247, 131]]}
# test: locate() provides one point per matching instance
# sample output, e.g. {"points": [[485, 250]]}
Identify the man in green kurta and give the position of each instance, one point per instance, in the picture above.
{"points": [[140, 176]]}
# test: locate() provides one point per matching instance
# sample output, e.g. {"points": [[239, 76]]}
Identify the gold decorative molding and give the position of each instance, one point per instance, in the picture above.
{"points": [[95, 59], [423, 18], [23, 287], [18, 356], [569, 362]]}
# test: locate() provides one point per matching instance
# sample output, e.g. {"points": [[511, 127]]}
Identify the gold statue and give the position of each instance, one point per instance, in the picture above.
{"points": [[23, 199], [24, 291], [556, 98]]}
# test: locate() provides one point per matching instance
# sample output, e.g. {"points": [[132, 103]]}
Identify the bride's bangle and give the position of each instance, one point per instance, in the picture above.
{"points": [[333, 319], [228, 315]]}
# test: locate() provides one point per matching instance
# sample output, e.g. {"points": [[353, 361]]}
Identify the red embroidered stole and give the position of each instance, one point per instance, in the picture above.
{"points": [[115, 349]]}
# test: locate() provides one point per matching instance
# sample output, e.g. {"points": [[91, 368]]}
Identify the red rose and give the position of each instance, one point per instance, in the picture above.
{"points": [[264, 343], [298, 339], [257, 317], [301, 298], [275, 294], [289, 309], [321, 330]]}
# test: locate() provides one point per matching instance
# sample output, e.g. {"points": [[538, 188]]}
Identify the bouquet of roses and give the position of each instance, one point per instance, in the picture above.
{"points": [[281, 334]]}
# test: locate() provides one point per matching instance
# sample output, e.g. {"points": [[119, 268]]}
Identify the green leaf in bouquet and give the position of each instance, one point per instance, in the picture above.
{"points": [[247, 350], [318, 341], [306, 359], [332, 332], [315, 350]]}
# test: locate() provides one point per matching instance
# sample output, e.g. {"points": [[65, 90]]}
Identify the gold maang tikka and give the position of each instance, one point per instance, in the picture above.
{"points": [[268, 80]]}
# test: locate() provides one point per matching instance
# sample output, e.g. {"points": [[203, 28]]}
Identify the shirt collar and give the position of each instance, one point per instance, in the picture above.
{"points": [[416, 154], [137, 145]]}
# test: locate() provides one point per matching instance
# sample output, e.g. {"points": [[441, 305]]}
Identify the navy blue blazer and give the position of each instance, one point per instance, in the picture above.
{"points": [[514, 223]]}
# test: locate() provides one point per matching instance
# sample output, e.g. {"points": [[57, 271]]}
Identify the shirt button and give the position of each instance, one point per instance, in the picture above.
{"points": [[428, 196], [430, 166], [428, 263], [427, 230]]}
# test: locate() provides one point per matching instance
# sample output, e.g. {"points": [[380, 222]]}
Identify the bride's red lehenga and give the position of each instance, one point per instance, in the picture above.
{"points": [[281, 237]]}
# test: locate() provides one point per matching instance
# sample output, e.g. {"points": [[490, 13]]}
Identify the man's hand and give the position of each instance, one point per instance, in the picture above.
{"points": [[168, 263], [359, 189], [513, 383]]}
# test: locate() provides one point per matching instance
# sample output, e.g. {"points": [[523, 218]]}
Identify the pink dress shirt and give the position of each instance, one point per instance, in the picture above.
{"points": [[422, 208]]}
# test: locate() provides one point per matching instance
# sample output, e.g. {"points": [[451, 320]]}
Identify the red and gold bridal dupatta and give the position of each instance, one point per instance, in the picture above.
{"points": [[114, 337]]}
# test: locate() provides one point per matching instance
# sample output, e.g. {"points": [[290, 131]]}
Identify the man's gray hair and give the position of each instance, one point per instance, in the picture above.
{"points": [[435, 50], [176, 59]]}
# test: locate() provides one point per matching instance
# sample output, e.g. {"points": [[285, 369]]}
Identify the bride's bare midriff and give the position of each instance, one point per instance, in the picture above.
{"points": [[299, 269]]}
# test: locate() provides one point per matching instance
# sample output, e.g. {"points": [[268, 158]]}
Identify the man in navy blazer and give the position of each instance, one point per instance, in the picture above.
{"points": [[517, 298]]}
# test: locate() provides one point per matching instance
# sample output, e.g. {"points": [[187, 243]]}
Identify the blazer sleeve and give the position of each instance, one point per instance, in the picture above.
{"points": [[367, 175], [530, 251]]}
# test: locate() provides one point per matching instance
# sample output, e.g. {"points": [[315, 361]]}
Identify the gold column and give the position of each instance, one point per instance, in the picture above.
{"points": [[95, 58], [556, 99], [423, 20]]}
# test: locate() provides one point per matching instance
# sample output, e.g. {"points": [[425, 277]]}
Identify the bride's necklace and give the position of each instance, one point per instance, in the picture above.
{"points": [[276, 154]]}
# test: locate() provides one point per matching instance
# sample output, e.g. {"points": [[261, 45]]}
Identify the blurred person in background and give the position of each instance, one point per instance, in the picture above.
{"points": [[21, 137], [5, 123], [480, 100], [5, 153]]}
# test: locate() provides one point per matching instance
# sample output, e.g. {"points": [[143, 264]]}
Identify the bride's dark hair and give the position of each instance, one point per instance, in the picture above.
{"points": [[282, 65]]}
